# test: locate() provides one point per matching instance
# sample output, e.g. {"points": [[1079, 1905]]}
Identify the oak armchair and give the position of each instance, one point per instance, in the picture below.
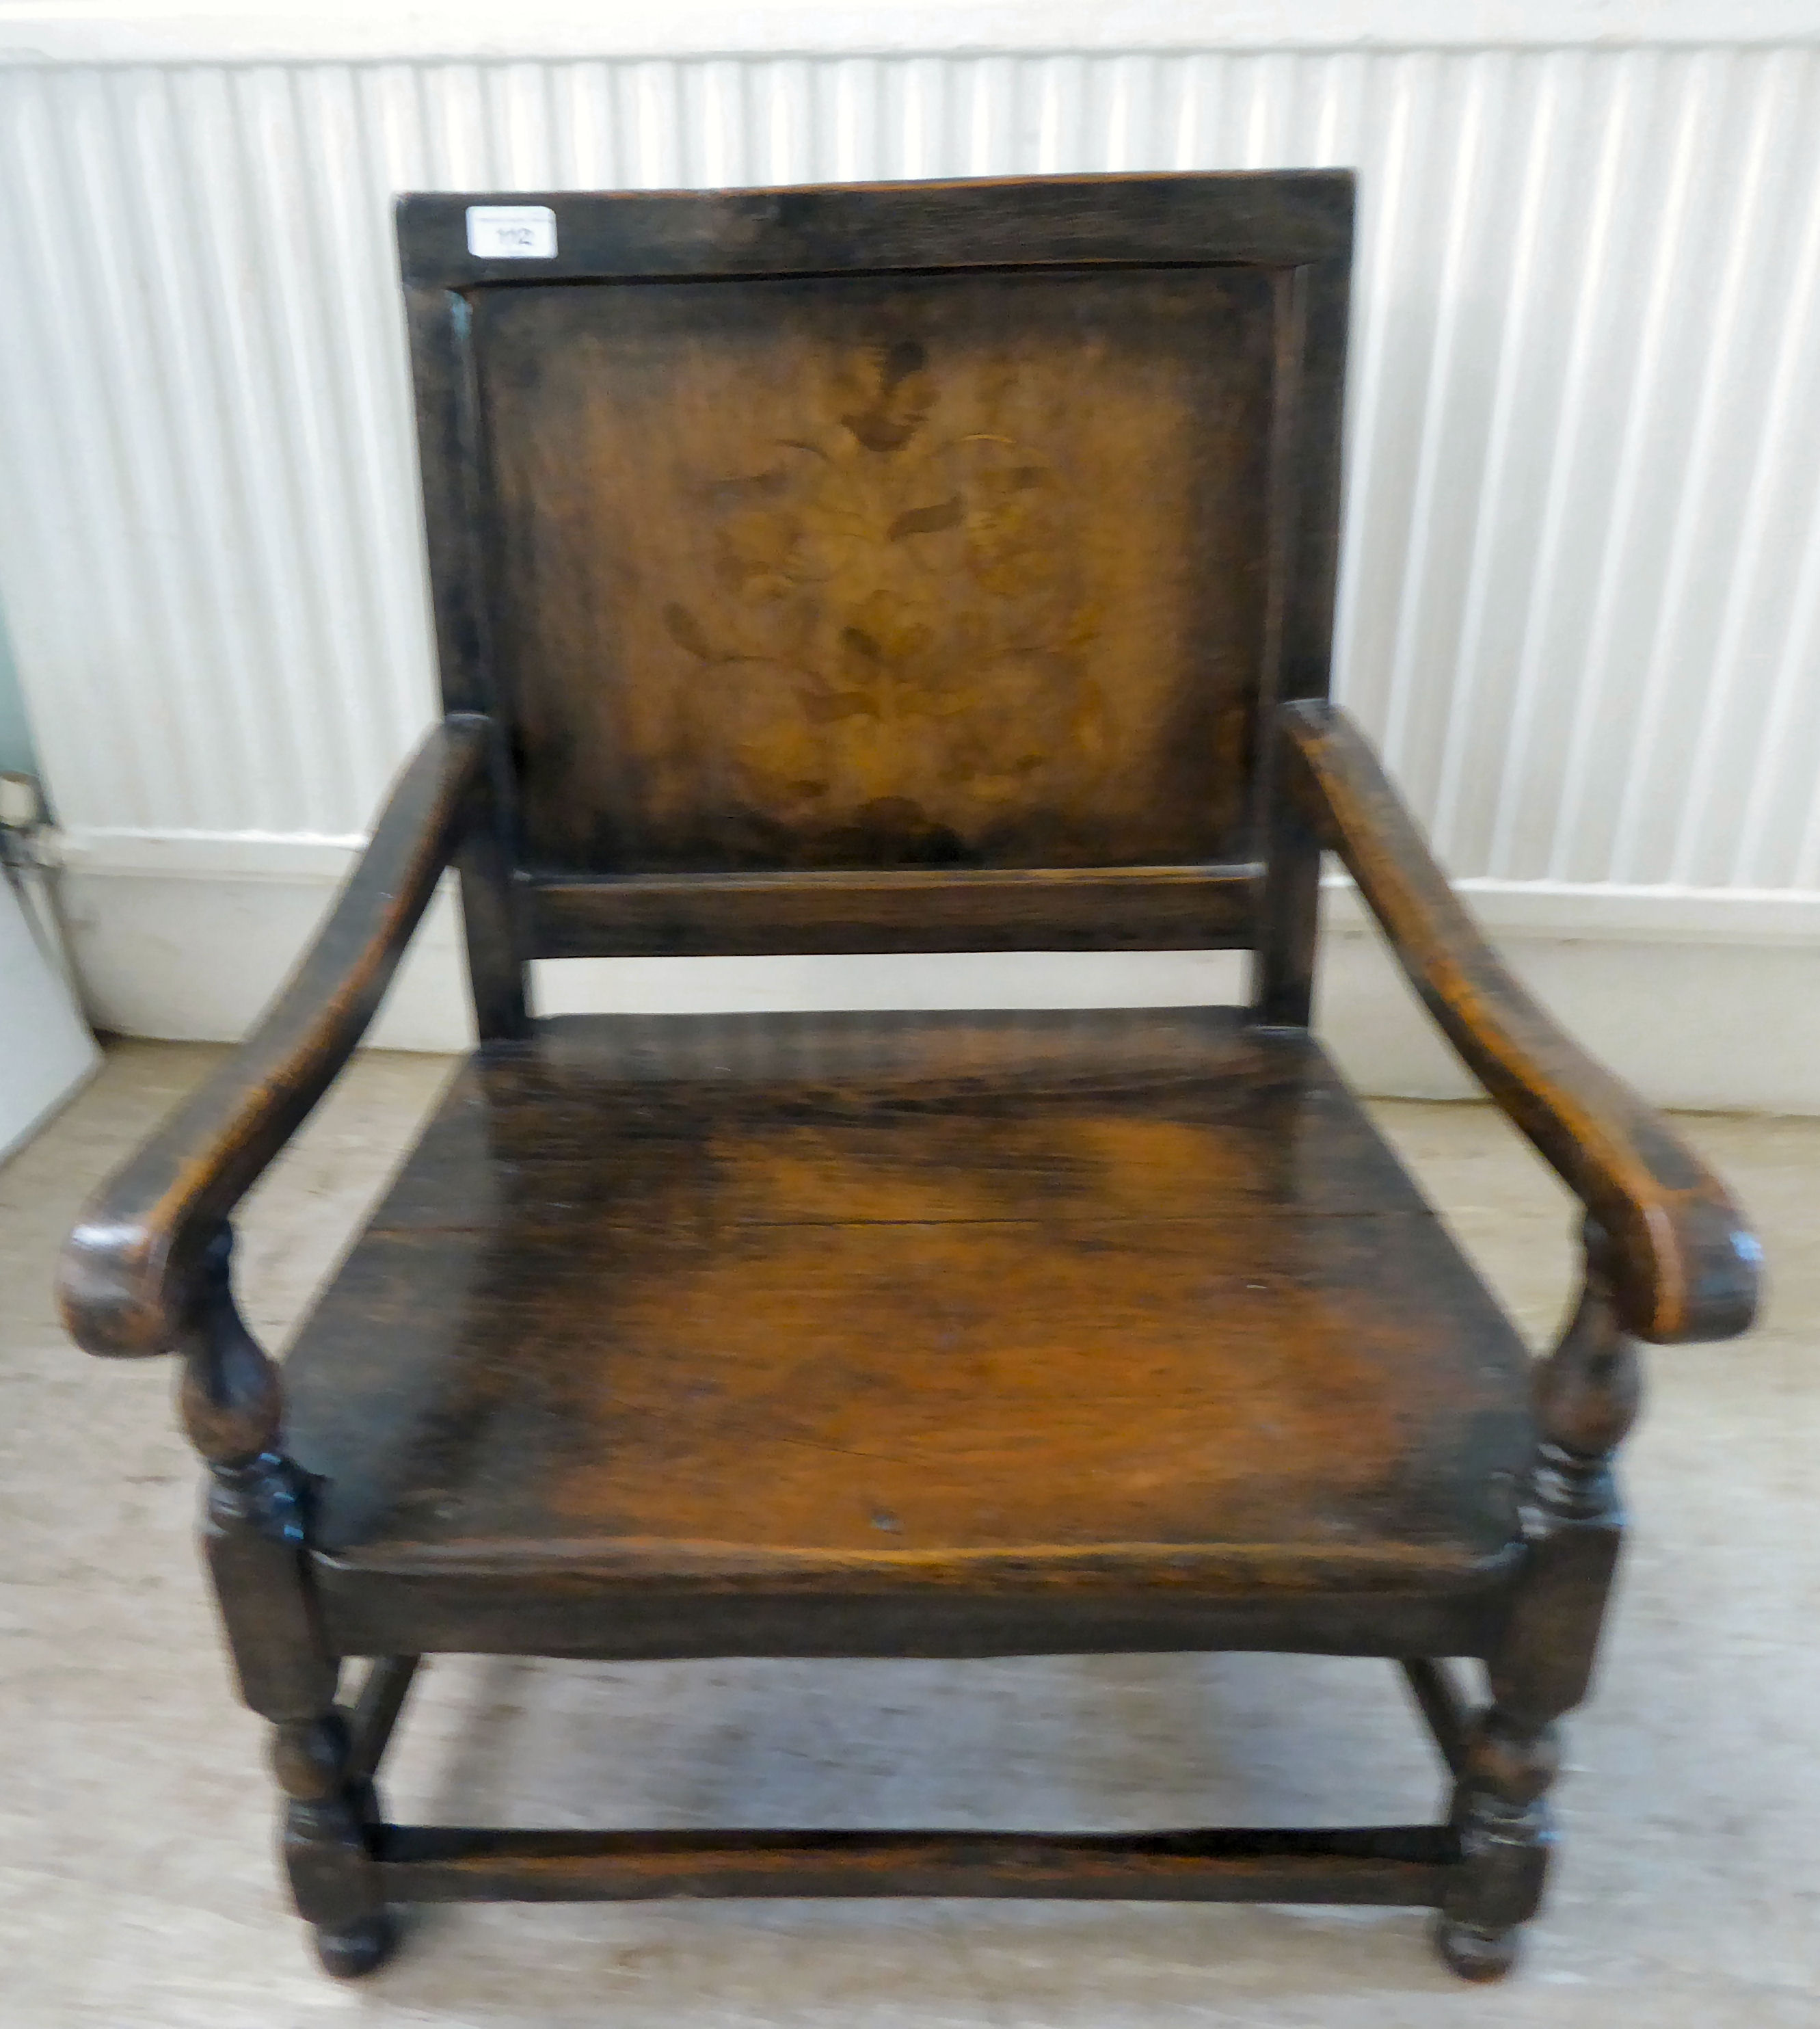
{"points": [[912, 568]]}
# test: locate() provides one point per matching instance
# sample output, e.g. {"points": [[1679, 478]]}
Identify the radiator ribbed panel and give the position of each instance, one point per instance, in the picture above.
{"points": [[1582, 603]]}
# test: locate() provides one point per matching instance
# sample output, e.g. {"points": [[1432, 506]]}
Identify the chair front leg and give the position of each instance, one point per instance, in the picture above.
{"points": [[253, 1535], [1586, 1400]]}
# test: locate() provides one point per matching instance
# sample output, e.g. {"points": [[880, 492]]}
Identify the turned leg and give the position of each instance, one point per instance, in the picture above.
{"points": [[253, 1535], [1501, 1812], [1586, 1397], [327, 1825]]}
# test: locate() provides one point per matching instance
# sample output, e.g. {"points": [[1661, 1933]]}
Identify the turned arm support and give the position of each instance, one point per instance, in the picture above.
{"points": [[1681, 1263], [133, 1270]]}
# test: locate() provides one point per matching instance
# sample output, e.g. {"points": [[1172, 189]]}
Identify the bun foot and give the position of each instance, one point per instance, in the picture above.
{"points": [[1473, 1953], [359, 1949]]}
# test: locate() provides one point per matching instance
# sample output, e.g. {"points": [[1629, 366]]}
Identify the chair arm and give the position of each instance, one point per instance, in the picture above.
{"points": [[131, 1270], [1682, 1262]]}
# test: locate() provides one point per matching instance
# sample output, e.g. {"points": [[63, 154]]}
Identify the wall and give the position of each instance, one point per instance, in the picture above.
{"points": [[16, 756], [1581, 601]]}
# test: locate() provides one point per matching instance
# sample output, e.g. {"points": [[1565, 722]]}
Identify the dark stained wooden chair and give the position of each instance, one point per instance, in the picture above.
{"points": [[908, 569]]}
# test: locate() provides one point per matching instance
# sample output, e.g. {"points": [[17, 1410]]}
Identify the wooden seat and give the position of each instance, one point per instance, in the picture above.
{"points": [[1054, 1306], [918, 568]]}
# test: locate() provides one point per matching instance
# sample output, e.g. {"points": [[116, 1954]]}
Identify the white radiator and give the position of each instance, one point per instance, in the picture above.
{"points": [[1581, 599]]}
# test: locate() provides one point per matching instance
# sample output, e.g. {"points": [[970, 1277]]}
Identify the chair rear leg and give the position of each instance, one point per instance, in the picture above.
{"points": [[1586, 1398]]}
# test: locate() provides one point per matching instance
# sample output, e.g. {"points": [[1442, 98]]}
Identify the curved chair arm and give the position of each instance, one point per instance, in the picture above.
{"points": [[132, 1267], [1683, 1264]]}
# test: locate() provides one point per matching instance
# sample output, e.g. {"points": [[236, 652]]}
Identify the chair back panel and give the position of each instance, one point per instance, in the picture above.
{"points": [[866, 572], [959, 535]]}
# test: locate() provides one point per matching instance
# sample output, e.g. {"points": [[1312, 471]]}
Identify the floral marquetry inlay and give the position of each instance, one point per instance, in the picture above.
{"points": [[881, 575]]}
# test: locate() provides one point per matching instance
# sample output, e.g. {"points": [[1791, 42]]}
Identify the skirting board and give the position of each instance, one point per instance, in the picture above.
{"points": [[1708, 1004]]}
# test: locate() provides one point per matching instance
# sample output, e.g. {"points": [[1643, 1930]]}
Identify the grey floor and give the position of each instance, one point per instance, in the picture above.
{"points": [[137, 1887]]}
